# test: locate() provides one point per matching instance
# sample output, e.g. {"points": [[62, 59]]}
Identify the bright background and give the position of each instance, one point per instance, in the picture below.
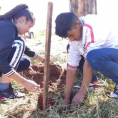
{"points": [[106, 8], [39, 8]]}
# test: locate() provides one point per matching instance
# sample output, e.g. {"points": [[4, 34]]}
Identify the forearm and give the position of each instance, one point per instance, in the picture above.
{"points": [[39, 58], [28, 84], [17, 77], [87, 76], [31, 53], [70, 79]]}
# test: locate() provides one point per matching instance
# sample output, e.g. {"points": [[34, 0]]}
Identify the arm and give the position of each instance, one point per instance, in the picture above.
{"points": [[70, 79], [39, 58], [87, 75], [73, 58], [28, 84], [31, 53]]}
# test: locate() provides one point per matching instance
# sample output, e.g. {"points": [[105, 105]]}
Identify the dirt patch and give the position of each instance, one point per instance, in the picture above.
{"points": [[56, 80]]}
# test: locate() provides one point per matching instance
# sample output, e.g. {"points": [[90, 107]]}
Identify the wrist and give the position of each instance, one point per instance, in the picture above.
{"points": [[82, 91], [35, 56], [43, 60], [67, 96]]}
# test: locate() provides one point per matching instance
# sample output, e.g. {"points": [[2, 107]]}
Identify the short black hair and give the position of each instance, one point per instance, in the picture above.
{"points": [[65, 22]]}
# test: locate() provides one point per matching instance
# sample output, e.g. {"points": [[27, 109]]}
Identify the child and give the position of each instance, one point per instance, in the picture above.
{"points": [[17, 21], [96, 40], [94, 80]]}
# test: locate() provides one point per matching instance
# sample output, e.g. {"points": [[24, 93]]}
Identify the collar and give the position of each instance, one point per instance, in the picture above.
{"points": [[82, 20]]}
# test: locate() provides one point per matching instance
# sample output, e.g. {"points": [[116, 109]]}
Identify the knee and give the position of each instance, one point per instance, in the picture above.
{"points": [[91, 57], [93, 60], [26, 64]]}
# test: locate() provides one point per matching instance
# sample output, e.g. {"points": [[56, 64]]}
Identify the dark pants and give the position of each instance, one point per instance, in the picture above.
{"points": [[15, 58], [80, 67], [105, 60]]}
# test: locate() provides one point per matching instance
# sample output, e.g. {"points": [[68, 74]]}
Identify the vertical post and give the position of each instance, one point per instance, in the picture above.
{"points": [[47, 54]]}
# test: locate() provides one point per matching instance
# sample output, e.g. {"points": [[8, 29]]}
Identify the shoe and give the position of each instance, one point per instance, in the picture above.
{"points": [[113, 94], [93, 85], [11, 93], [2, 98]]}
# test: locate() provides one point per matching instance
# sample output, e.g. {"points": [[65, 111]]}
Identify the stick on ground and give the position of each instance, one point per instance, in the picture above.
{"points": [[47, 54]]}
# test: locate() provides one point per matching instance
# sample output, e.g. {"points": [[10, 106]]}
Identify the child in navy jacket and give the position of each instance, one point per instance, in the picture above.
{"points": [[17, 21]]}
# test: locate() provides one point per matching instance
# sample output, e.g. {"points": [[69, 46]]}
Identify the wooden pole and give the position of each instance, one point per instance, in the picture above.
{"points": [[47, 54]]}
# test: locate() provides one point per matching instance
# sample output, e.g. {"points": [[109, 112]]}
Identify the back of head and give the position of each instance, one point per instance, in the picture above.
{"points": [[65, 22], [17, 12]]}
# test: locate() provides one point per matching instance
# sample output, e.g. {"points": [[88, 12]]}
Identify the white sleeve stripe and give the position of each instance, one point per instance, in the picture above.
{"points": [[18, 53], [10, 72]]}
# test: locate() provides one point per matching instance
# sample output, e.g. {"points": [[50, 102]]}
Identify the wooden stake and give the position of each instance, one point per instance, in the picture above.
{"points": [[47, 55]]}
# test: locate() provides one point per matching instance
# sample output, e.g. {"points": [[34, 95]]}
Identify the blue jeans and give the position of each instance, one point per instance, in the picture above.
{"points": [[80, 67], [105, 60]]}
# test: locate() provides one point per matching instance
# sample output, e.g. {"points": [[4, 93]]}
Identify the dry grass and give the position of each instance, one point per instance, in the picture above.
{"points": [[96, 104]]}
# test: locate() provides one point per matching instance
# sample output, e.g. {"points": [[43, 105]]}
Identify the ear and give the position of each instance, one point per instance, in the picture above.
{"points": [[78, 24], [23, 19]]}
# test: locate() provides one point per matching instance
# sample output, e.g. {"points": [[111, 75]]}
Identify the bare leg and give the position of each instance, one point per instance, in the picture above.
{"points": [[5, 79]]}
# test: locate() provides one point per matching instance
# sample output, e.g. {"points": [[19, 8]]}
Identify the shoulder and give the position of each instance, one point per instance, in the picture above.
{"points": [[7, 27], [96, 21], [5, 24], [8, 31]]}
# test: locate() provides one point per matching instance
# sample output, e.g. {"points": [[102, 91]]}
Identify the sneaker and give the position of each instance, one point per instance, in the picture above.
{"points": [[2, 98], [93, 85], [11, 93], [113, 94]]}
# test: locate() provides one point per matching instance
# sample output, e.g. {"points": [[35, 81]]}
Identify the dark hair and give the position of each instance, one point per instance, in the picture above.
{"points": [[17, 12], [65, 22]]}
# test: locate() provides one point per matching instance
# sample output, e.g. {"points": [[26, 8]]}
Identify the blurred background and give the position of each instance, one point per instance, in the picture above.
{"points": [[106, 8]]}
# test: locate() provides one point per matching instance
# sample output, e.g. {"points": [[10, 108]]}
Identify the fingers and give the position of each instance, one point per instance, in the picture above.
{"points": [[51, 62], [36, 88], [74, 106]]}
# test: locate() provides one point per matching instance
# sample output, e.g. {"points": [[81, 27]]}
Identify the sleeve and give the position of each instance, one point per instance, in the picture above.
{"points": [[93, 38], [30, 53], [73, 56], [7, 36]]}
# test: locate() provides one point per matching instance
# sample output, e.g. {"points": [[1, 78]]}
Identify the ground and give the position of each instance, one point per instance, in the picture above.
{"points": [[96, 104]]}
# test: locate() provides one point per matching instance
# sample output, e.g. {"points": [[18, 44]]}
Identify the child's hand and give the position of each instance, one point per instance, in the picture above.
{"points": [[31, 86], [51, 63]]}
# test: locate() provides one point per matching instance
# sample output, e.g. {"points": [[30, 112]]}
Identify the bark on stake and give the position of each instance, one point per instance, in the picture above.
{"points": [[47, 54]]}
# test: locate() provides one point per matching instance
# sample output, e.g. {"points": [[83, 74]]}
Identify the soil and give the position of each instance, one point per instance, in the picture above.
{"points": [[56, 81]]}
